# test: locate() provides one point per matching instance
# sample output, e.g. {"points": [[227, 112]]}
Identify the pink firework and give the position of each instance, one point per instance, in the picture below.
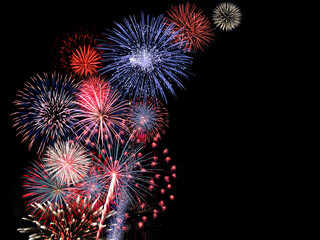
{"points": [[101, 112], [67, 162]]}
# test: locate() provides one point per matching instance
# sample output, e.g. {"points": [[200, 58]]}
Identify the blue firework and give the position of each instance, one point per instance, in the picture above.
{"points": [[46, 109], [40, 187], [143, 57]]}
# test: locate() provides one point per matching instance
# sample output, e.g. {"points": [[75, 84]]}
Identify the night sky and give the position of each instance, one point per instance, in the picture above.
{"points": [[211, 122]]}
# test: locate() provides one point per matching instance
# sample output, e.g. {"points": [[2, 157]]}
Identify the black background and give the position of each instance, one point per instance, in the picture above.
{"points": [[212, 128]]}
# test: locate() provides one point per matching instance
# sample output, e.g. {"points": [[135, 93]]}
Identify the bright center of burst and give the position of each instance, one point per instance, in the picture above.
{"points": [[144, 59]]}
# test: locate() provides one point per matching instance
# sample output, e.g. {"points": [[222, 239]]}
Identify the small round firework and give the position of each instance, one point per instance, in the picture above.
{"points": [[101, 113], [148, 119], [76, 221], [77, 54], [67, 162], [227, 16], [46, 109], [85, 61], [194, 29]]}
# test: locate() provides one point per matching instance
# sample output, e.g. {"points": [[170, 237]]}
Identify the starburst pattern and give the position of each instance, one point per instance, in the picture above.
{"points": [[77, 54], [147, 119], [227, 16], [40, 187], [67, 162], [194, 30], [85, 61], [142, 58], [46, 109], [101, 112]]}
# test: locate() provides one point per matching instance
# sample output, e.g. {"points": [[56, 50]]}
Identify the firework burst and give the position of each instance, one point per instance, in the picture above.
{"points": [[143, 59], [67, 162], [41, 188], [148, 119], [191, 25], [76, 221], [101, 112], [227, 16], [77, 53], [46, 109], [85, 61]]}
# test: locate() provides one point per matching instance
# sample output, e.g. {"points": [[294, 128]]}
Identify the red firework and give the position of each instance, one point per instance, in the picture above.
{"points": [[195, 29], [77, 53], [85, 61]]}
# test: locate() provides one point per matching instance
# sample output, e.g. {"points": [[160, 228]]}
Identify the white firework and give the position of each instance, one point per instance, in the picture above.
{"points": [[67, 162], [227, 16]]}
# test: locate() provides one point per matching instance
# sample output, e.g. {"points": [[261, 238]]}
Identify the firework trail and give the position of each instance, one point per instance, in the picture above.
{"points": [[143, 59], [101, 113], [191, 25], [76, 221], [46, 109], [227, 16], [67, 162], [147, 119]]}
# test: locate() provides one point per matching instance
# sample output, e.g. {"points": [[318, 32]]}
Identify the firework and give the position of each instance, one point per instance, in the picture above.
{"points": [[41, 188], [76, 221], [226, 16], [46, 109], [127, 172], [67, 162], [192, 26], [85, 61], [101, 112], [77, 53], [148, 119], [143, 59]]}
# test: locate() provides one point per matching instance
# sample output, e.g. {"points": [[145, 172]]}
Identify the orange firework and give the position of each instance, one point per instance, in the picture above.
{"points": [[195, 29], [85, 60]]}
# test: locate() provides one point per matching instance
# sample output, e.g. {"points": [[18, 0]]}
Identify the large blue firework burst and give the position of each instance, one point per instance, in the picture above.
{"points": [[46, 108], [143, 57]]}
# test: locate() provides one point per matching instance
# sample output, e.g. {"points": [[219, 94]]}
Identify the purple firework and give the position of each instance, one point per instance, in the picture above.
{"points": [[143, 57]]}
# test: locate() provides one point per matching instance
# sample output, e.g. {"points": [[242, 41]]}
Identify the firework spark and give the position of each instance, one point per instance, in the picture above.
{"points": [[76, 221], [101, 112], [192, 26], [147, 119], [46, 109], [143, 59], [67, 162], [227, 16]]}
